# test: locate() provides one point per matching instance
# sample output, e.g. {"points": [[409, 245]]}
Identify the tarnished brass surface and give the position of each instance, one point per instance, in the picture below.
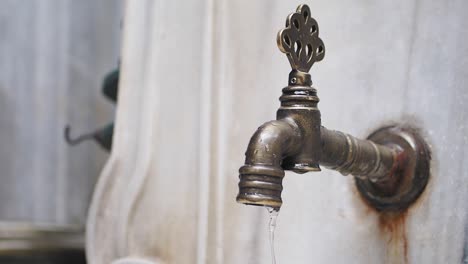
{"points": [[300, 40], [360, 158], [296, 140], [262, 175]]}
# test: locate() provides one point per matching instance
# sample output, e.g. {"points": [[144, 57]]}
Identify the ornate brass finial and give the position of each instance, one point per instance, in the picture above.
{"points": [[300, 40]]}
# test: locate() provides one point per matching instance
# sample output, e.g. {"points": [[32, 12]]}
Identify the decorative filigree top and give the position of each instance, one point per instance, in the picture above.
{"points": [[300, 40]]}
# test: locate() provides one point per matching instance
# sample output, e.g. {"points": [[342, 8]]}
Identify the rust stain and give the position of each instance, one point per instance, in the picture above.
{"points": [[392, 231], [392, 227], [396, 174]]}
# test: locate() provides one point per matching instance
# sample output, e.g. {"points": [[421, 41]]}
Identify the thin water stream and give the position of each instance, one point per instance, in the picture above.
{"points": [[271, 228]]}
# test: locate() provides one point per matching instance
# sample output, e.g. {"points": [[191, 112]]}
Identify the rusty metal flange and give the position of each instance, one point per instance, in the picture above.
{"points": [[413, 176]]}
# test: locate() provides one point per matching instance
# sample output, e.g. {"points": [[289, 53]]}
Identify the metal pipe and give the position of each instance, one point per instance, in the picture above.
{"points": [[361, 158]]}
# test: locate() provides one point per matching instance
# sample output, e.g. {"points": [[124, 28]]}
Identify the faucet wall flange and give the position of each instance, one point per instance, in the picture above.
{"points": [[412, 176]]}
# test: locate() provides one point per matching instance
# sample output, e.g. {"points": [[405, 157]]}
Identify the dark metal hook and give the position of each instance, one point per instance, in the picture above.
{"points": [[74, 141], [102, 136]]}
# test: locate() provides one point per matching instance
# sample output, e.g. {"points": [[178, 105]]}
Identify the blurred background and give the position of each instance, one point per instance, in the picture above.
{"points": [[54, 56]]}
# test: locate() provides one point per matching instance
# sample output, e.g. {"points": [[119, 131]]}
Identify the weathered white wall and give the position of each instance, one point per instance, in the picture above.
{"points": [[53, 57], [200, 76]]}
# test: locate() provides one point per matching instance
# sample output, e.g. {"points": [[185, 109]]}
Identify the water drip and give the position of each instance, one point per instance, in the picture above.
{"points": [[271, 229]]}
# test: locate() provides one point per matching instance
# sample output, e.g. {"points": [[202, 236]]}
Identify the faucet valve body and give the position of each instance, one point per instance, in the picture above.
{"points": [[299, 104], [391, 167]]}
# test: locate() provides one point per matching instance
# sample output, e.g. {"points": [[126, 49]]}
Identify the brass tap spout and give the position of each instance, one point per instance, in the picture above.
{"points": [[262, 174], [391, 167]]}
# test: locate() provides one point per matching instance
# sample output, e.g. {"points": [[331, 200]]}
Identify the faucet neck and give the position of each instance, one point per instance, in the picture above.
{"points": [[299, 94], [299, 78]]}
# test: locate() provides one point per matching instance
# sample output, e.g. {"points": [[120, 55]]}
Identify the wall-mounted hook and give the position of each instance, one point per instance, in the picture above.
{"points": [[104, 135]]}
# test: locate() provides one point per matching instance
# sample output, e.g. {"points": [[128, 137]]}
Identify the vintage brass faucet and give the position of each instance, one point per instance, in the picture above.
{"points": [[391, 167]]}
